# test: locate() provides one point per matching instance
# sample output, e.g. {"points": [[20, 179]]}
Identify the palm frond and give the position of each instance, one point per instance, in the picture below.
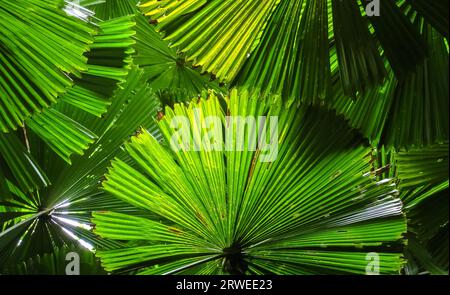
{"points": [[23, 168], [293, 56], [232, 25], [230, 207], [40, 46], [108, 9], [164, 68], [283, 44], [401, 40], [422, 172], [360, 64], [224, 137], [428, 239], [416, 115], [55, 125], [407, 112], [369, 113], [58, 214], [423, 185]]}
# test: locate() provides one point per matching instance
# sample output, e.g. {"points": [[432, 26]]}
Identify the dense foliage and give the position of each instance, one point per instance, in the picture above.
{"points": [[88, 91]]}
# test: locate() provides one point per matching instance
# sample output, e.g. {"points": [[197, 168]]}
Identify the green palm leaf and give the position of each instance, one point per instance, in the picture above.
{"points": [[283, 46], [57, 214], [164, 68], [36, 56], [107, 9], [407, 112], [22, 166], [354, 175], [427, 250], [227, 212], [282, 63], [423, 184], [360, 64], [233, 25], [370, 111], [416, 115], [422, 172], [107, 66], [400, 39]]}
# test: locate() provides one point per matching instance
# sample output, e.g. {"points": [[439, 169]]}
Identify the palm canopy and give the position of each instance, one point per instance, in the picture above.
{"points": [[363, 138], [219, 35], [326, 52]]}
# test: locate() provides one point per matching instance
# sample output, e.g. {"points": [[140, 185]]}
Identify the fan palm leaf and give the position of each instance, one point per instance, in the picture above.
{"points": [[107, 65], [423, 175], [232, 26], [166, 69], [423, 184], [312, 210], [407, 112], [56, 125], [422, 172], [220, 36], [56, 214], [36, 57], [333, 54]]}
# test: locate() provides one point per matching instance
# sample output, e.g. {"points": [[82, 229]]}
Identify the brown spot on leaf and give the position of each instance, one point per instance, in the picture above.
{"points": [[175, 230], [160, 115]]}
